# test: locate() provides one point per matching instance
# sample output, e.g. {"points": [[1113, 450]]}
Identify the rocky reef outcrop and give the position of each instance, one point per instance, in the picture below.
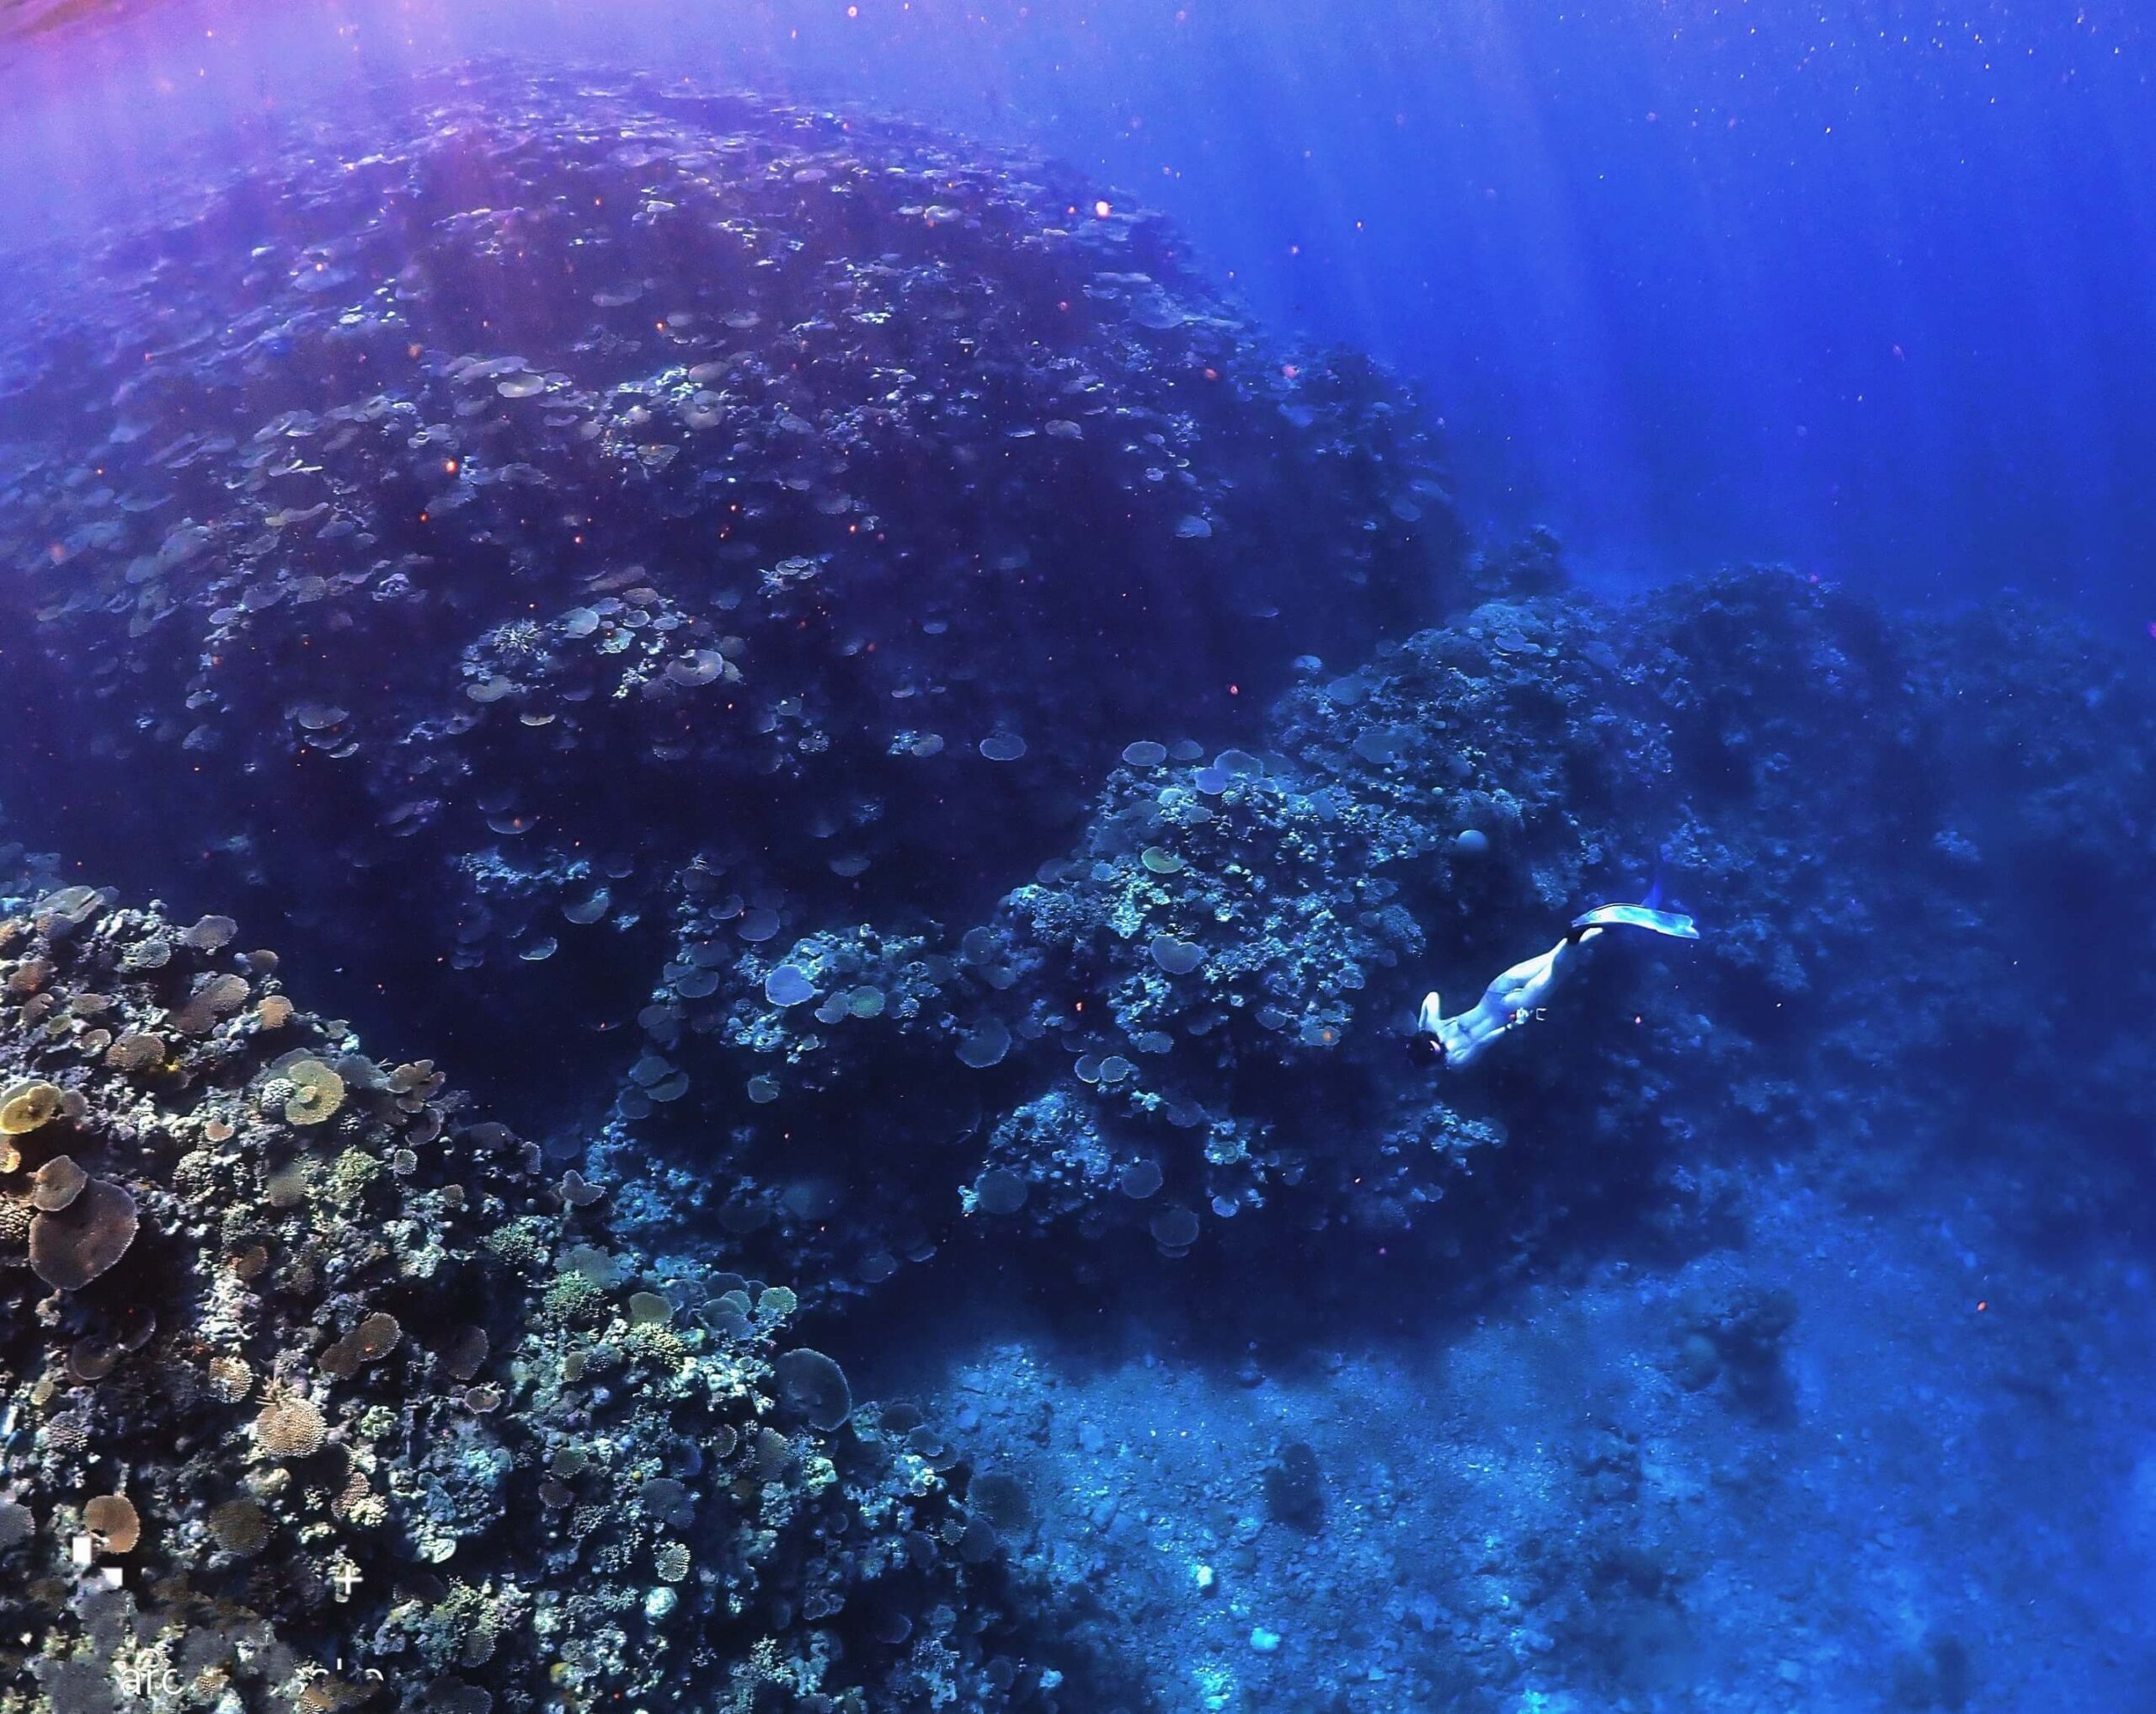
{"points": [[318, 1390], [469, 534], [1189, 1031]]}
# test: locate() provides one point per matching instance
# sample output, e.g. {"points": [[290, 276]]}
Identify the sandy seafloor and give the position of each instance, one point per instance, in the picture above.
{"points": [[1945, 1499]]}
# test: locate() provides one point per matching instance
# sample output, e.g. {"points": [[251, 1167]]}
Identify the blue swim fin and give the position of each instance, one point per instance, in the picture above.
{"points": [[1668, 923]]}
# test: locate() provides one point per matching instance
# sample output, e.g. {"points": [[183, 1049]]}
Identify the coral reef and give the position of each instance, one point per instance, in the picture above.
{"points": [[636, 579], [593, 490], [318, 1391], [1193, 1023]]}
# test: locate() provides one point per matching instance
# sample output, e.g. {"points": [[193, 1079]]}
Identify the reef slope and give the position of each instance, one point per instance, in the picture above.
{"points": [[463, 533]]}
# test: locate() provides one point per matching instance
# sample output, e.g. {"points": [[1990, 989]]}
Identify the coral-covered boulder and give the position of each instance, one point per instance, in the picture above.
{"points": [[471, 528], [360, 1405]]}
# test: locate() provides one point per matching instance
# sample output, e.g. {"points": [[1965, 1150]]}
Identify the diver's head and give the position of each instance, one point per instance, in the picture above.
{"points": [[1427, 1043]]}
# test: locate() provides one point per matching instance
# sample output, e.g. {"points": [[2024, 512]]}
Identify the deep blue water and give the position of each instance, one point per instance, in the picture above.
{"points": [[1859, 286], [1862, 287], [920, 722]]}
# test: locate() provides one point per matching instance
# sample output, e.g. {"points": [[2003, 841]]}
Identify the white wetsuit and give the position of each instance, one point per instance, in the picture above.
{"points": [[1516, 997]]}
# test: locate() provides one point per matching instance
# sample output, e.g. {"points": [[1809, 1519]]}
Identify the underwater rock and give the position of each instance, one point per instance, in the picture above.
{"points": [[1294, 1487]]}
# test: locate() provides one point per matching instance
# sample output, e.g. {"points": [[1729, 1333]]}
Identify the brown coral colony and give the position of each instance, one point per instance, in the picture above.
{"points": [[312, 1371], [86, 1238], [26, 1106], [112, 1519], [317, 1091], [56, 1184]]}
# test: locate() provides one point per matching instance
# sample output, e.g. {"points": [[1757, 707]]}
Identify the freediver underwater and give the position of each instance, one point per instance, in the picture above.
{"points": [[1515, 996]]}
